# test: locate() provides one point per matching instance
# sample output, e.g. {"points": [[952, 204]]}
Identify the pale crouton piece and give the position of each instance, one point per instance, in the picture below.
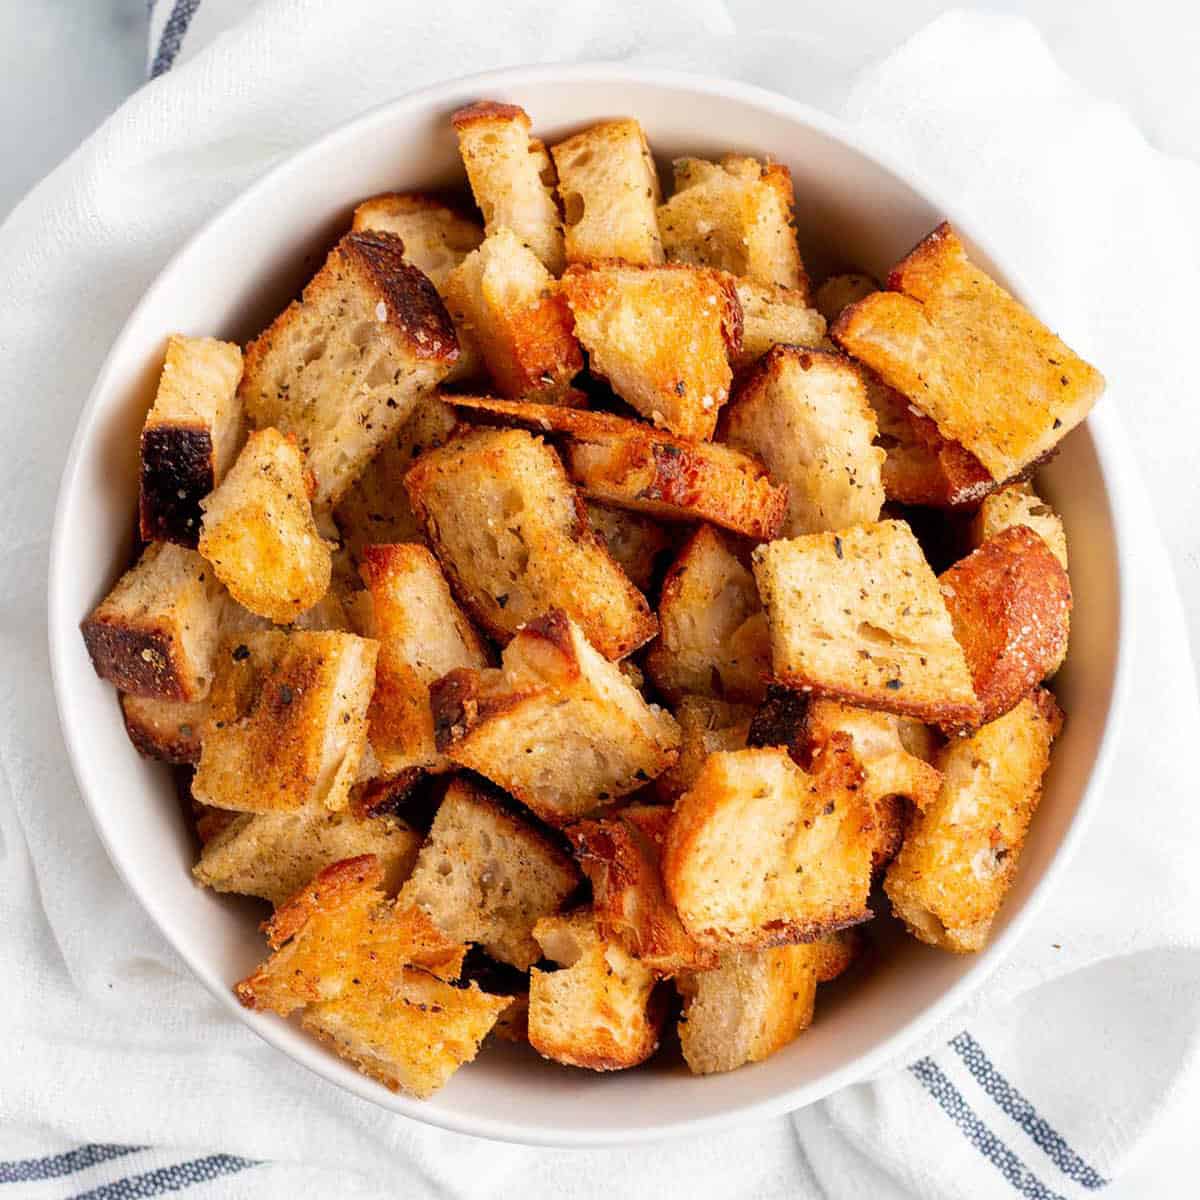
{"points": [[513, 309], [342, 368], [621, 855], [661, 336], [598, 1010], [713, 639], [839, 291], [259, 534], [705, 727], [1010, 602], [506, 168], [436, 237], [1019, 504], [190, 438], [636, 543], [287, 721], [629, 465], [836, 953], [513, 537], [857, 615], [960, 853], [155, 634], [805, 414], [762, 853], [610, 194], [164, 729], [485, 875], [773, 315], [969, 356], [329, 613], [559, 726], [735, 215]]}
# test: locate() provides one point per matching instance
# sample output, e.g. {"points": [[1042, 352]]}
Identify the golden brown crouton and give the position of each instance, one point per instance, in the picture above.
{"points": [[805, 414], [661, 336], [155, 634], [513, 537], [559, 727], [967, 354], [960, 854], [287, 721], [485, 875], [838, 291], [713, 639], [705, 726], [836, 953], [773, 315], [436, 237], [1019, 504], [598, 1010], [505, 166], [165, 729], [857, 615], [635, 542], [190, 438], [342, 368]]}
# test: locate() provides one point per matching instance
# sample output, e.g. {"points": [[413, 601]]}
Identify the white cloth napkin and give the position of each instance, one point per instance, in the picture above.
{"points": [[1081, 1041]]}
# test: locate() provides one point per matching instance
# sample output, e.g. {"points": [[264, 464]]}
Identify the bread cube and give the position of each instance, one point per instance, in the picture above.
{"points": [[598, 1010], [559, 726], [661, 336], [287, 722], [636, 543], [342, 368], [190, 438], [436, 236], [836, 953], [155, 634], [1019, 504], [969, 356], [960, 853], [168, 730], [513, 537], [773, 315], [839, 291], [705, 727], [857, 615]]}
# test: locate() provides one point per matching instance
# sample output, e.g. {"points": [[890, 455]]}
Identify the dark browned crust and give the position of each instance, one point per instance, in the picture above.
{"points": [[927, 247], [795, 933], [137, 658], [780, 720], [177, 472], [454, 700], [485, 111], [385, 797]]}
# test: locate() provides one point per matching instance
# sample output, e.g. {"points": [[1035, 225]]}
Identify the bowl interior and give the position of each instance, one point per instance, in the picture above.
{"points": [[231, 280]]}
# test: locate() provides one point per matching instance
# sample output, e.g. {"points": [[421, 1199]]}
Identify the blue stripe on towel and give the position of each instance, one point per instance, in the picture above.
{"points": [[172, 36], [29, 1170], [168, 1179]]}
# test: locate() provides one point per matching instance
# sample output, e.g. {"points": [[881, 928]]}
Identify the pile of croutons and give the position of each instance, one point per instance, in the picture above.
{"points": [[545, 605]]}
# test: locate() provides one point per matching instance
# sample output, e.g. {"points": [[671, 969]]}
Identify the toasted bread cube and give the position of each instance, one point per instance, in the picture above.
{"points": [[436, 237], [969, 356], [857, 615], [631, 466], [661, 336], [164, 729], [836, 953], [190, 438], [636, 543], [960, 853], [485, 875], [274, 855], [506, 168], [342, 368], [839, 291], [1010, 602], [773, 315], [753, 1004], [713, 639], [705, 727], [734, 215], [559, 726], [287, 721], [609, 190], [598, 1010], [621, 855], [761, 853], [780, 721], [1019, 504], [513, 309], [805, 413], [155, 634], [513, 537]]}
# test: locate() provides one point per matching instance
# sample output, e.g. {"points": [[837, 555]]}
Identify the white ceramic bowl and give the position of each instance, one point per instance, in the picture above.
{"points": [[238, 271]]}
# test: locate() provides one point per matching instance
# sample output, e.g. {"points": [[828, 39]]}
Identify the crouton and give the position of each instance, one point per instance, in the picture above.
{"points": [[598, 1010], [621, 854], [168, 730], [760, 853], [705, 726], [190, 438], [661, 336], [1019, 504], [328, 614], [609, 190], [513, 309], [713, 639], [559, 727], [629, 465], [836, 953], [805, 413], [636, 543], [858, 616], [969, 356], [485, 875], [838, 291], [513, 537], [1010, 602], [779, 721], [342, 368], [960, 853], [155, 634], [436, 237], [287, 721], [773, 315], [506, 169], [734, 215]]}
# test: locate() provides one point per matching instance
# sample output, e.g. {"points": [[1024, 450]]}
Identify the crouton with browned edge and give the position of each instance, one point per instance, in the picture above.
{"points": [[635, 542], [1019, 504], [773, 315], [838, 291], [705, 727], [168, 730]]}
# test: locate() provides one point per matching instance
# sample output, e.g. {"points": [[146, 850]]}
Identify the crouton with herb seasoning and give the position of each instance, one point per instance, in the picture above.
{"points": [[705, 727], [1019, 504], [168, 730], [774, 315], [635, 542]]}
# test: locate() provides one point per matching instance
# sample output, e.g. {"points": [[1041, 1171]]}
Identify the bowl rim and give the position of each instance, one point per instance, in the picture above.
{"points": [[1115, 473]]}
